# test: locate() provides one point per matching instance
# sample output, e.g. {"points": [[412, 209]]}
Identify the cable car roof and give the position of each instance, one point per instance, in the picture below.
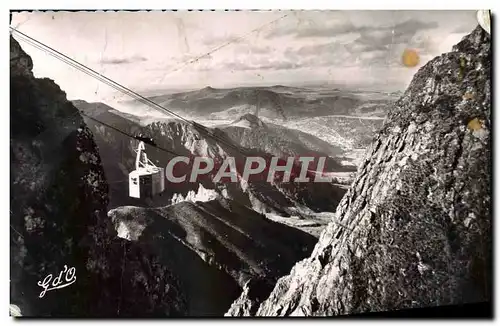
{"points": [[145, 171]]}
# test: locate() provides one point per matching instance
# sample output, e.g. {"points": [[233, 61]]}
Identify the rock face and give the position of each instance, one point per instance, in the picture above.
{"points": [[58, 215], [414, 228]]}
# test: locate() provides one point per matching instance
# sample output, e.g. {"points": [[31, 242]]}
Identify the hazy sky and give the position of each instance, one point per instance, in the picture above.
{"points": [[147, 50]]}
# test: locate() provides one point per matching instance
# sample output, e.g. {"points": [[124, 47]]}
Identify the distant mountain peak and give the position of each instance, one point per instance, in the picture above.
{"points": [[249, 120]]}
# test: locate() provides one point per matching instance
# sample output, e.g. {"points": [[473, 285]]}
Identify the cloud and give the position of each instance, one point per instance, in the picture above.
{"points": [[219, 40], [398, 34], [377, 42], [313, 30], [317, 30], [351, 46], [120, 61], [276, 65], [261, 50], [249, 49], [318, 49], [463, 29], [372, 46], [315, 45], [257, 64], [335, 54], [361, 46]]}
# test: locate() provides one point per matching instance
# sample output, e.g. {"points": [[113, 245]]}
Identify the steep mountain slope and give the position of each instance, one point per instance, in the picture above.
{"points": [[58, 218], [414, 229], [115, 148], [185, 139], [215, 247], [103, 111], [250, 132]]}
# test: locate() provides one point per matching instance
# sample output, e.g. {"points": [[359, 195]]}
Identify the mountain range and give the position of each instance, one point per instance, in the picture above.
{"points": [[274, 102], [186, 139]]}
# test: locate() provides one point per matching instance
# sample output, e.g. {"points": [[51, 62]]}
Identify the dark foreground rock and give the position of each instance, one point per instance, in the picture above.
{"points": [[58, 215], [414, 228]]}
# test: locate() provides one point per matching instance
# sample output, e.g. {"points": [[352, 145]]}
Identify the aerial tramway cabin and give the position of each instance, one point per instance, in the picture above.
{"points": [[147, 180]]}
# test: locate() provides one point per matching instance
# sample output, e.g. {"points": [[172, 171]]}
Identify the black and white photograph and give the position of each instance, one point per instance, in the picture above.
{"points": [[250, 163]]}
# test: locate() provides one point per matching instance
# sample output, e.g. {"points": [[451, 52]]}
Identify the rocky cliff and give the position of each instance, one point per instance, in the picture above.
{"points": [[58, 215], [414, 228]]}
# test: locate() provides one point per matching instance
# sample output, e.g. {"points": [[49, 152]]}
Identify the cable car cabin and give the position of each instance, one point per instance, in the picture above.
{"points": [[146, 183], [147, 180]]}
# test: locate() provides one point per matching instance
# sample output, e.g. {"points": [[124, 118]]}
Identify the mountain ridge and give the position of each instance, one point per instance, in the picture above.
{"points": [[273, 102], [215, 246], [186, 139]]}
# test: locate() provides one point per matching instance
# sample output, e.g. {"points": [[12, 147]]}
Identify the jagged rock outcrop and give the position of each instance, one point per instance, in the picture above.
{"points": [[414, 228], [58, 215], [254, 292]]}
